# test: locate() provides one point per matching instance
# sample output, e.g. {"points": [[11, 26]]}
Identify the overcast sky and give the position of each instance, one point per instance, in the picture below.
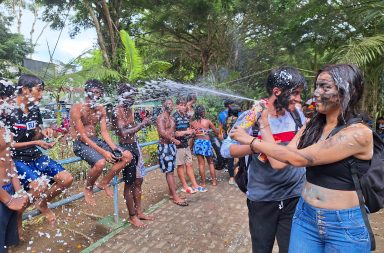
{"points": [[66, 49]]}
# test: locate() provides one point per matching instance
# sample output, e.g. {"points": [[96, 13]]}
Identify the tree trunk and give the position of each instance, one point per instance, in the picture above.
{"points": [[100, 38], [110, 29], [34, 10], [19, 16]]}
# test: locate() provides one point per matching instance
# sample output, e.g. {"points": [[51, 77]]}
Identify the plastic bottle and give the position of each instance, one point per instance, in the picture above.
{"points": [[246, 121]]}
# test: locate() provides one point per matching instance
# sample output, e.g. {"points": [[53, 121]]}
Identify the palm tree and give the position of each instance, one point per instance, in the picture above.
{"points": [[368, 54]]}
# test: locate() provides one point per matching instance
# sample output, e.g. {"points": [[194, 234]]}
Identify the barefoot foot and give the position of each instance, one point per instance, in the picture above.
{"points": [[106, 188], [88, 196], [136, 222], [142, 216], [49, 215], [214, 182]]}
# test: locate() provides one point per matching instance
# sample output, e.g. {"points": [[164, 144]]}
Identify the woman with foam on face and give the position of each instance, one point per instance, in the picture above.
{"points": [[327, 217]]}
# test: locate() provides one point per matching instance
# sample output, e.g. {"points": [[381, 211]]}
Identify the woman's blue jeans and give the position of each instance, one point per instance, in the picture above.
{"points": [[316, 230]]}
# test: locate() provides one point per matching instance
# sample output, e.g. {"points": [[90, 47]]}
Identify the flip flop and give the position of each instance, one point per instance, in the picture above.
{"points": [[181, 203], [189, 190], [182, 197]]}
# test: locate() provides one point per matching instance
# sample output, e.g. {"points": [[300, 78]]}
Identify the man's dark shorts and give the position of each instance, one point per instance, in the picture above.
{"points": [[42, 166], [87, 153], [167, 157], [129, 172], [8, 223]]}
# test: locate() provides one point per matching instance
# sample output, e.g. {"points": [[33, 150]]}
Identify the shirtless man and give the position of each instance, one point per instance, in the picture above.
{"points": [[167, 149], [126, 129], [202, 146], [87, 145], [10, 203]]}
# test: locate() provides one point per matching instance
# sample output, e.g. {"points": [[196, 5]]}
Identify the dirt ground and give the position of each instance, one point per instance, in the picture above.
{"points": [[78, 226]]}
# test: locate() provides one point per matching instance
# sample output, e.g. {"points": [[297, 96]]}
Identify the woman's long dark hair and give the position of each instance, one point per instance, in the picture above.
{"points": [[199, 112], [349, 81]]}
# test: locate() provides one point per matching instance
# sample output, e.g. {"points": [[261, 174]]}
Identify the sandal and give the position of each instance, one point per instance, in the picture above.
{"points": [[188, 190], [181, 203], [200, 189]]}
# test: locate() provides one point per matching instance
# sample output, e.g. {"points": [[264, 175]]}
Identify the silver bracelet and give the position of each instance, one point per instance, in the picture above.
{"points": [[9, 202]]}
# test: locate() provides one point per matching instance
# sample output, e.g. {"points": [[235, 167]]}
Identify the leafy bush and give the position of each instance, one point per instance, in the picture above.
{"points": [[149, 152]]}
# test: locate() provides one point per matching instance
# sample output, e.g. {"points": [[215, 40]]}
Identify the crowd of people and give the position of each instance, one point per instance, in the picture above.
{"points": [[299, 187], [28, 176]]}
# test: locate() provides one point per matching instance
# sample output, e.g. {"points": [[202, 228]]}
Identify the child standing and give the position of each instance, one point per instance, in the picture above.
{"points": [[202, 147]]}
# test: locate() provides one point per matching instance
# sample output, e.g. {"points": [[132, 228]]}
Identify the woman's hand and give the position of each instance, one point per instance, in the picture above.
{"points": [[240, 135]]}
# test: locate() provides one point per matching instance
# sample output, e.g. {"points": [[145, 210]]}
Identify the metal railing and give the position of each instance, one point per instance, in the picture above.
{"points": [[78, 196]]}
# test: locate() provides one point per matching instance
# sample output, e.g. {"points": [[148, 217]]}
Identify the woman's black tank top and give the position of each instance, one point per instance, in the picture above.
{"points": [[336, 176]]}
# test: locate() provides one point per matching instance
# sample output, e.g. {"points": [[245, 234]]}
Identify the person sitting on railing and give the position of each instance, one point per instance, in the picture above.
{"points": [[126, 129], [84, 117], [167, 149], [36, 170], [202, 146], [10, 202]]}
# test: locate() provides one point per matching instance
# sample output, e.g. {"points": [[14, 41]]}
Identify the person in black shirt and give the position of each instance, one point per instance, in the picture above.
{"points": [[36, 171], [183, 152]]}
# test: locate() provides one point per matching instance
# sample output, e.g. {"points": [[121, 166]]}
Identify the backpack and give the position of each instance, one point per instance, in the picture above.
{"points": [[370, 185], [233, 114], [241, 177]]}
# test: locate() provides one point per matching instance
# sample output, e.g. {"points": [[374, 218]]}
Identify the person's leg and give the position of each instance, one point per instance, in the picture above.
{"points": [[230, 166], [31, 181], [62, 180], [180, 173], [345, 231], [115, 169], [212, 170], [305, 236], [201, 162], [180, 162], [172, 190], [287, 209], [129, 201], [8, 225], [92, 176], [189, 168], [191, 175], [97, 163], [263, 218], [137, 199], [12, 236]]}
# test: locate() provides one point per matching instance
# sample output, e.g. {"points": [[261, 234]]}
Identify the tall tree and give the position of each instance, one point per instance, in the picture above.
{"points": [[197, 31], [13, 47], [106, 17]]}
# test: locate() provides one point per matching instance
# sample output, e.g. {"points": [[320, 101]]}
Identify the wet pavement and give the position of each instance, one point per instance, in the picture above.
{"points": [[214, 221]]}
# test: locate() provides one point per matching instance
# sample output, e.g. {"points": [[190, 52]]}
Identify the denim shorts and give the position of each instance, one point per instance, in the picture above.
{"points": [[88, 154], [316, 230]]}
